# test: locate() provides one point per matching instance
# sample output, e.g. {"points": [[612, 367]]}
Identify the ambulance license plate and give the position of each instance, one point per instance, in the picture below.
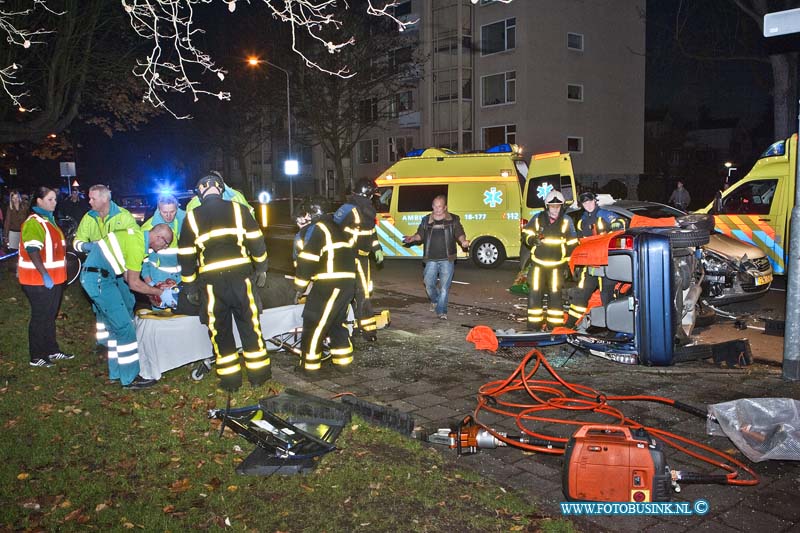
{"points": [[763, 280]]}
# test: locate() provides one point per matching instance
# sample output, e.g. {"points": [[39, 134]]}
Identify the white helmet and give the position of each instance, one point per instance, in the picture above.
{"points": [[555, 197]]}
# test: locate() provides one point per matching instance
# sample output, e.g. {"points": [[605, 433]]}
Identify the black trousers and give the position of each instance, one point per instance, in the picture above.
{"points": [[226, 297], [325, 316], [45, 304]]}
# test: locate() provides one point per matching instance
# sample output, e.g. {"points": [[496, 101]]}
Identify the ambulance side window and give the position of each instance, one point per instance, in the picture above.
{"points": [[383, 201], [418, 197], [752, 198]]}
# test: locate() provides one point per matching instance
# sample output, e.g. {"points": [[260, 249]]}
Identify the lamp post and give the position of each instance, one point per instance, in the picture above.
{"points": [[254, 62], [730, 168]]}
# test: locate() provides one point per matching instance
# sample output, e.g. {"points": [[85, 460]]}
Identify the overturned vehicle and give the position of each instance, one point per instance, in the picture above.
{"points": [[734, 271], [659, 269]]}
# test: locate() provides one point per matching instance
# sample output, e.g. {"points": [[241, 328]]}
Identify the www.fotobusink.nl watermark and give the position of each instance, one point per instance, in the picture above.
{"points": [[698, 507]]}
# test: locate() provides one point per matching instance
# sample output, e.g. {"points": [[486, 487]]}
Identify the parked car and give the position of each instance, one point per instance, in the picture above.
{"points": [[139, 206], [733, 270]]}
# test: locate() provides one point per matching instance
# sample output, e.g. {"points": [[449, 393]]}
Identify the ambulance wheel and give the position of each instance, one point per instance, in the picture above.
{"points": [[688, 238], [487, 252]]}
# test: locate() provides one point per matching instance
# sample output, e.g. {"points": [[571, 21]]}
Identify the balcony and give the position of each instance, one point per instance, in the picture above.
{"points": [[409, 119]]}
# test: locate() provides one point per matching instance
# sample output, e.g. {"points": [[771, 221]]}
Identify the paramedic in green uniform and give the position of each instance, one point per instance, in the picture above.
{"points": [[111, 270]]}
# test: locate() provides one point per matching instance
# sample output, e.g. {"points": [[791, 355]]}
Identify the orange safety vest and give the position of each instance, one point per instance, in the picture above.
{"points": [[53, 253]]}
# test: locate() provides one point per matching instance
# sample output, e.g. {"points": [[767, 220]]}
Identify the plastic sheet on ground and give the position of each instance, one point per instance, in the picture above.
{"points": [[762, 428]]}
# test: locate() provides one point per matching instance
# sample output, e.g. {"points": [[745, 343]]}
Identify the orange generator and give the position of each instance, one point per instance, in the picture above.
{"points": [[605, 463]]}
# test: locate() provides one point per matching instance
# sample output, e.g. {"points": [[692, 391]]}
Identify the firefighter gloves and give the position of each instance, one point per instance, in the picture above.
{"points": [[378, 256], [261, 279]]}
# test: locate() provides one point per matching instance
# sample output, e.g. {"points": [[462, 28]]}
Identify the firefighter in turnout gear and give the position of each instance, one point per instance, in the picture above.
{"points": [[327, 260], [594, 221], [357, 219], [551, 238], [222, 254]]}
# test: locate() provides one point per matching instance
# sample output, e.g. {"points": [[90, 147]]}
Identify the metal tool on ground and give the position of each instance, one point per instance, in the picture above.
{"points": [[287, 444]]}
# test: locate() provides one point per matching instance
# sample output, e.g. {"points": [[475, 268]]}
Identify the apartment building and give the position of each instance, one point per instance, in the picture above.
{"points": [[549, 75]]}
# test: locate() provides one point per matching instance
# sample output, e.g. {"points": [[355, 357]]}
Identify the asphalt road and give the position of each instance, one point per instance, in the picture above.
{"points": [[474, 286]]}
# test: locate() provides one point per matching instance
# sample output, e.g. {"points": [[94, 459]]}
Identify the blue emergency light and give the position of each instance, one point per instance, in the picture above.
{"points": [[500, 149]]}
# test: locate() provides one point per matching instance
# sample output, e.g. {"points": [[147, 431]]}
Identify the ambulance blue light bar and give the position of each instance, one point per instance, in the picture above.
{"points": [[500, 149], [415, 153]]}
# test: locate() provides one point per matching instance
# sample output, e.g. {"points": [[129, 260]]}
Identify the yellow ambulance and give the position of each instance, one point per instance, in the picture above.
{"points": [[494, 193], [756, 209]]}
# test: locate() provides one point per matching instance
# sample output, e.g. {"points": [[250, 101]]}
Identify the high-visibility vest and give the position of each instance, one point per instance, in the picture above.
{"points": [[53, 253]]}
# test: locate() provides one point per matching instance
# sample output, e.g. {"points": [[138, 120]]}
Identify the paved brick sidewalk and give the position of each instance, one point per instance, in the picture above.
{"points": [[424, 366]]}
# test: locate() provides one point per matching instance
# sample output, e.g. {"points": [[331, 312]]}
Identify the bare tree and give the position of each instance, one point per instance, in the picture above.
{"points": [[81, 68], [337, 113], [736, 36]]}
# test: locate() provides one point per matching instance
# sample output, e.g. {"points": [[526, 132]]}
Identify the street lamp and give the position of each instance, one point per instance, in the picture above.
{"points": [[730, 168], [289, 169]]}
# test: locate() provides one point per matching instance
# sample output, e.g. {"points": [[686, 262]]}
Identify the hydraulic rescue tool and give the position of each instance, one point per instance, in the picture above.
{"points": [[618, 461], [615, 464]]}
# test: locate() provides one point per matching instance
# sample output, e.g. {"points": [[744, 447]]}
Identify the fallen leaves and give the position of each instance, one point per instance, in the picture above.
{"points": [[78, 516], [22, 476], [181, 485]]}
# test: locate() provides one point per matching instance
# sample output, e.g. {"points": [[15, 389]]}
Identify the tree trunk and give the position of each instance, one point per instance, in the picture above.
{"points": [[341, 179], [784, 95]]}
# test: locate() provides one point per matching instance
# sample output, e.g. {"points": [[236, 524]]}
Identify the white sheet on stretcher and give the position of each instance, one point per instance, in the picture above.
{"points": [[167, 343]]}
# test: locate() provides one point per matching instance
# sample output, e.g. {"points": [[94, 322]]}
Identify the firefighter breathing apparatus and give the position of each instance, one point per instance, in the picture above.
{"points": [[616, 460]]}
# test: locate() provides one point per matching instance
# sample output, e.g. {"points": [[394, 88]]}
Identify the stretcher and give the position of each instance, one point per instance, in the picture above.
{"points": [[167, 341]]}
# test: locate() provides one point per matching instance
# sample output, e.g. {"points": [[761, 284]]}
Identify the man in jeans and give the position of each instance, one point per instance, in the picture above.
{"points": [[439, 233]]}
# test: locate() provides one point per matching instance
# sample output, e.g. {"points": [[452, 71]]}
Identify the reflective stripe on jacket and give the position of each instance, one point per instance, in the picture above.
{"points": [[52, 250], [220, 235]]}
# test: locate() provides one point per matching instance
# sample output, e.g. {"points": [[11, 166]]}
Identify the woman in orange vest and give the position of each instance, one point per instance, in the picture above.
{"points": [[42, 272]]}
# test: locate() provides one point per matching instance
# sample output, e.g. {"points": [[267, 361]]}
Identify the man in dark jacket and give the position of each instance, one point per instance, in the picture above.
{"points": [[439, 232]]}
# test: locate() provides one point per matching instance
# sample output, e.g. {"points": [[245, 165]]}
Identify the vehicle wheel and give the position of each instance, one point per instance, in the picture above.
{"points": [[687, 238], [696, 222], [691, 353], [487, 252]]}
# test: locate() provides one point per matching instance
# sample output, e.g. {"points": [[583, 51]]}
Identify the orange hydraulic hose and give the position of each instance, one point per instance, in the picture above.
{"points": [[585, 399]]}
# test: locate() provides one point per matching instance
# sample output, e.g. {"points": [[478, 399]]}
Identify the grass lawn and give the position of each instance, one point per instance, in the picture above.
{"points": [[81, 453]]}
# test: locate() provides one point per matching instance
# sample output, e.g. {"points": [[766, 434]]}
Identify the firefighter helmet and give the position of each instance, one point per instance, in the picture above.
{"points": [[555, 197], [586, 196], [311, 210], [365, 187], [212, 179]]}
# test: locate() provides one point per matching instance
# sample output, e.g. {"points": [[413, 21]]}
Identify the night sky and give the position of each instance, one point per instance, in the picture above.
{"points": [[733, 89]]}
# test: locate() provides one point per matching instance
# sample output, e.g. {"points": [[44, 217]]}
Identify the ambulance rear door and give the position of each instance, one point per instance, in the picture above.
{"points": [[548, 172]]}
